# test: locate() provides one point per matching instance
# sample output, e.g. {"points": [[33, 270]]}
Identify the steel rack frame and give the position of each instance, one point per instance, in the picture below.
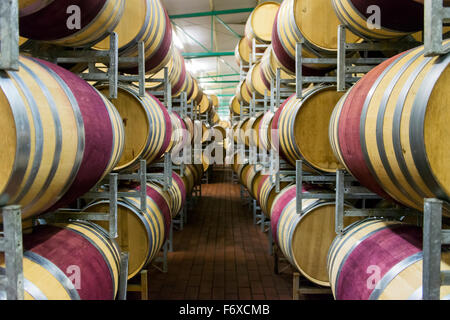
{"points": [[435, 16], [255, 56], [346, 67], [9, 33], [11, 244], [434, 237], [11, 240]]}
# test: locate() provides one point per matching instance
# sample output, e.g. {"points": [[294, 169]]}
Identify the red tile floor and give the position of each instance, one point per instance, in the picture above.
{"points": [[220, 254]]}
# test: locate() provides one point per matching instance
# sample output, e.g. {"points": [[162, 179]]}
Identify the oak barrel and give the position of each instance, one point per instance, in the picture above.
{"points": [[391, 129], [315, 22], [259, 23], [98, 18], [147, 124], [43, 134], [76, 261], [379, 260], [147, 21], [303, 126], [141, 234], [305, 239], [355, 14]]}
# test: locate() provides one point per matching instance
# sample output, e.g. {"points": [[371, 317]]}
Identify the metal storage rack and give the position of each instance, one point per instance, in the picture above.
{"points": [[11, 242], [435, 16]]}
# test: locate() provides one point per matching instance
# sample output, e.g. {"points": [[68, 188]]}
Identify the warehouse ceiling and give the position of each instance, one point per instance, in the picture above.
{"points": [[206, 34]]}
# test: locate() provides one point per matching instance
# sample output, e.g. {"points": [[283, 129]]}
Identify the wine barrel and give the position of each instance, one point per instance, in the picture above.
{"points": [[176, 69], [243, 93], [189, 127], [268, 193], [205, 104], [399, 133], [98, 18], [355, 14], [214, 100], [303, 128], [54, 255], [27, 7], [316, 23], [189, 87], [141, 234], [390, 250], [180, 135], [253, 179], [256, 83], [305, 239], [253, 125], [235, 106], [265, 127], [188, 178], [103, 135], [243, 132], [259, 23], [214, 116], [147, 124], [242, 52], [176, 194], [268, 70], [147, 21], [43, 137]]}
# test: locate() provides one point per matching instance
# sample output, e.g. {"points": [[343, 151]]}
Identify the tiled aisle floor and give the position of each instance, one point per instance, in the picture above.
{"points": [[220, 254]]}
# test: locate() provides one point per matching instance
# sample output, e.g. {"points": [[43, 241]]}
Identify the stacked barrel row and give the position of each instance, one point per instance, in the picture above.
{"points": [[388, 131], [62, 136]]}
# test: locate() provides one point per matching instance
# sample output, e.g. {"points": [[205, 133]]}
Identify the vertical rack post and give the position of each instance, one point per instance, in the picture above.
{"points": [[123, 277], [435, 15], [339, 223], [143, 183], [141, 57], [299, 186], [341, 61], [13, 248], [113, 70], [298, 69], [9, 35], [113, 177], [432, 241]]}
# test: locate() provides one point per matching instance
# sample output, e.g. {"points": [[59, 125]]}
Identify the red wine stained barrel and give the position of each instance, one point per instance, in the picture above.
{"points": [[43, 137], [402, 128], [55, 254], [355, 14], [379, 260], [97, 19], [316, 23], [147, 21], [104, 135]]}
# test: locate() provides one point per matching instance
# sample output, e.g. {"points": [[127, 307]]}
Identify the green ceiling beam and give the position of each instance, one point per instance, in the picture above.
{"points": [[198, 55], [237, 35], [210, 13], [219, 76], [220, 81]]}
